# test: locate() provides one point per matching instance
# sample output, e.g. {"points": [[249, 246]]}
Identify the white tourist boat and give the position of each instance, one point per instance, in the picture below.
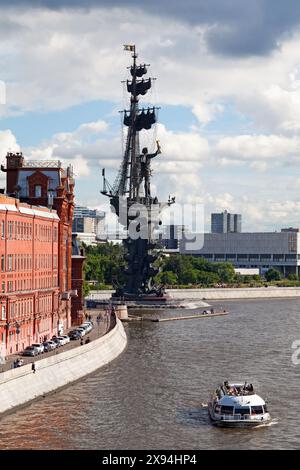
{"points": [[237, 405]]}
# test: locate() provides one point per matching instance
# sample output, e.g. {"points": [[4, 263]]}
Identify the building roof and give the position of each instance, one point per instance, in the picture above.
{"points": [[241, 400], [11, 204]]}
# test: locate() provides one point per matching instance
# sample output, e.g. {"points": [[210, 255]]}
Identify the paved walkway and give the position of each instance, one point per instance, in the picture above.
{"points": [[100, 329]]}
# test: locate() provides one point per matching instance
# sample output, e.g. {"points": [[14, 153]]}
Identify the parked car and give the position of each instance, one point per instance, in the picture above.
{"points": [[39, 347], [67, 339], [57, 341], [87, 326], [75, 335], [30, 351], [62, 340], [82, 330], [71, 333], [49, 346]]}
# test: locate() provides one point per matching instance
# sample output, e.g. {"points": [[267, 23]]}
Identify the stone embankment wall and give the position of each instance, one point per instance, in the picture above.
{"points": [[21, 385], [240, 293], [220, 293]]}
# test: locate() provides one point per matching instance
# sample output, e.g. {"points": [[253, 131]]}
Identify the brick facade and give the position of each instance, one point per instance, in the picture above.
{"points": [[77, 281], [29, 298], [46, 287]]}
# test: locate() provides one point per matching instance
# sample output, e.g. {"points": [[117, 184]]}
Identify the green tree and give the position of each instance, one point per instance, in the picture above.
{"points": [[104, 263], [167, 278], [225, 271], [207, 278], [85, 289], [273, 275], [188, 276], [293, 277]]}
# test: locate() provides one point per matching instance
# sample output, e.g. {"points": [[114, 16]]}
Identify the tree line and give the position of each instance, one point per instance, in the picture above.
{"points": [[105, 262]]}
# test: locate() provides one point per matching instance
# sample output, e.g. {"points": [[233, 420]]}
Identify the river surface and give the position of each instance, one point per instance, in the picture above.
{"points": [[151, 396]]}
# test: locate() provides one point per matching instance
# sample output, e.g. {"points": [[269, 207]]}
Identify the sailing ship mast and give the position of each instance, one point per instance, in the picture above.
{"points": [[135, 169], [128, 179]]}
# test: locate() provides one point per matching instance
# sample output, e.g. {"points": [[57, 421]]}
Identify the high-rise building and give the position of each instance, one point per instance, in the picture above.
{"points": [[225, 222], [88, 223], [172, 234]]}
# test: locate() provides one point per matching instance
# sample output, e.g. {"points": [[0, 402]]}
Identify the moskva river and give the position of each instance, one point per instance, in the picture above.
{"points": [[151, 396]]}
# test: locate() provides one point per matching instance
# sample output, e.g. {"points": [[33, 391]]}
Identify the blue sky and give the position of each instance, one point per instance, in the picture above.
{"points": [[228, 84]]}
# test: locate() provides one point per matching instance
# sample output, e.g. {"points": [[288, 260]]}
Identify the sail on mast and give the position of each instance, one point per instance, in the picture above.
{"points": [[135, 119]]}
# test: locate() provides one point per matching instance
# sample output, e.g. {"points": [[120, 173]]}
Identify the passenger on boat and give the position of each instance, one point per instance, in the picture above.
{"points": [[226, 385], [248, 387]]}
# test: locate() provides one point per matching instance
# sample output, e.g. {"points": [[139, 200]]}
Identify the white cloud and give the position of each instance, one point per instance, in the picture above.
{"points": [[8, 143], [79, 58], [259, 166], [258, 147], [80, 166], [206, 112], [91, 128]]}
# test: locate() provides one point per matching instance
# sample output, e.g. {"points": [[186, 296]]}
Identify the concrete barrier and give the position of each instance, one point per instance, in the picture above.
{"points": [[21, 385], [221, 293]]}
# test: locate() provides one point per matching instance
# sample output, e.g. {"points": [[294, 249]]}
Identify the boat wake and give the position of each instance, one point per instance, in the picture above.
{"points": [[194, 416], [193, 305], [273, 422]]}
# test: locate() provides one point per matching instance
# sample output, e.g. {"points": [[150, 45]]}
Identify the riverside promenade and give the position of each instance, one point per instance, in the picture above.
{"points": [[107, 322], [220, 293], [20, 386]]}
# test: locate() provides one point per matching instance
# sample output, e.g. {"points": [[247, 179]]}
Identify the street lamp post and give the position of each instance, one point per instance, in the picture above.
{"points": [[18, 332]]}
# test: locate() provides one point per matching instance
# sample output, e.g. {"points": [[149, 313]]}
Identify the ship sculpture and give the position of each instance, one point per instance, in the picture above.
{"points": [[138, 211]]}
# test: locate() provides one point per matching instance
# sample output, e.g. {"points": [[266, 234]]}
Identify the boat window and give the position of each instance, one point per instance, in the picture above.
{"points": [[245, 410], [227, 410], [256, 410], [265, 408]]}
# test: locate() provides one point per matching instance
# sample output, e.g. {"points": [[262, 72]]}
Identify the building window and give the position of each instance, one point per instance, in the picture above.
{"points": [[38, 190], [3, 312], [3, 229], [3, 286], [9, 262], [2, 263], [12, 310], [10, 230]]}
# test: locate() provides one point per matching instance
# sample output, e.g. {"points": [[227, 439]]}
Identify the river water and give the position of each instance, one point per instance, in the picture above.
{"points": [[151, 396]]}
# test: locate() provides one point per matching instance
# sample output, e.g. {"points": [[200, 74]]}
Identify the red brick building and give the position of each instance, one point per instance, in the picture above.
{"points": [[77, 280], [36, 249]]}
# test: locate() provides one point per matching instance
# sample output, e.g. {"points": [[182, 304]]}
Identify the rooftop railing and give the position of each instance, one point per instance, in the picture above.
{"points": [[42, 163]]}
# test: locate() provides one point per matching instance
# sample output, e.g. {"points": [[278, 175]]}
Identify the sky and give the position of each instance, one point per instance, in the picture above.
{"points": [[227, 84]]}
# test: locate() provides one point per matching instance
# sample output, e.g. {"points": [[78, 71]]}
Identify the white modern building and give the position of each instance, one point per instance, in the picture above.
{"points": [[88, 224], [261, 250]]}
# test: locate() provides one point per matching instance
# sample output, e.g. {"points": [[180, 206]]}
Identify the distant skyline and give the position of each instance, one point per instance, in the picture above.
{"points": [[228, 84]]}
